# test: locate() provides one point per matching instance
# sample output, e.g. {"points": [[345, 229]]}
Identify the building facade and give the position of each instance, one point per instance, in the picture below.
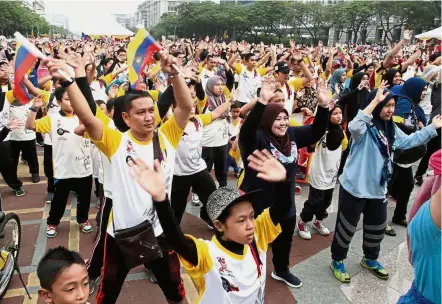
{"points": [[126, 20], [37, 6]]}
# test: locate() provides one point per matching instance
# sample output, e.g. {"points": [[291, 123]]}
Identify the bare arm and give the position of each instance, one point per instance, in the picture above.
{"points": [[411, 60], [43, 80], [435, 209], [245, 110], [393, 53]]}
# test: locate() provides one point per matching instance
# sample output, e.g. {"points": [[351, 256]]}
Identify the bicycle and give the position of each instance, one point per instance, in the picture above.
{"points": [[10, 241]]}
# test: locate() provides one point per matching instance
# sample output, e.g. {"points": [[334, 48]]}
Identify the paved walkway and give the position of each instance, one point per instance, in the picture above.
{"points": [[309, 259]]}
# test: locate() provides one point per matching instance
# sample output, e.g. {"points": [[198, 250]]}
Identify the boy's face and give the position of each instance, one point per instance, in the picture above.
{"points": [[71, 287], [235, 113]]}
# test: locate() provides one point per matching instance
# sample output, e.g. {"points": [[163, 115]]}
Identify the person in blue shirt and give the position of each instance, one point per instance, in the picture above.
{"points": [[425, 243], [364, 181]]}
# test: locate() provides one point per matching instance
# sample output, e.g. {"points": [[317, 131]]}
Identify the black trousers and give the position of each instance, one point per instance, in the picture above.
{"points": [[7, 169], [48, 168], [201, 184], [29, 153], [282, 244], [349, 212], [114, 272], [400, 187], [82, 186], [433, 145], [217, 156], [316, 205], [95, 263]]}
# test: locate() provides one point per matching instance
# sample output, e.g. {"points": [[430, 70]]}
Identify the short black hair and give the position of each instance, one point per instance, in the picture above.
{"points": [[100, 102], [124, 104], [121, 50], [110, 104], [235, 105], [209, 57], [248, 56], [59, 92], [54, 262]]}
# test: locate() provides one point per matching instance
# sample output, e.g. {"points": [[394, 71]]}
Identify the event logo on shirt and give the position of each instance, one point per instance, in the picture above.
{"points": [[223, 267], [131, 151], [60, 130]]}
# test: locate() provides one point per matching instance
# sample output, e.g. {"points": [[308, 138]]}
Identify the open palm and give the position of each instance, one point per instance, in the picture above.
{"points": [[268, 167], [149, 178]]}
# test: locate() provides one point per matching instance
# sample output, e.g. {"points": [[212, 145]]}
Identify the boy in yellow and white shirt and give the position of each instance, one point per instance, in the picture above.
{"points": [[71, 159], [231, 267]]}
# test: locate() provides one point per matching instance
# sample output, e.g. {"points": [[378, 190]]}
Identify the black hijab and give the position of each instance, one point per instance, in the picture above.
{"points": [[389, 77], [283, 143]]}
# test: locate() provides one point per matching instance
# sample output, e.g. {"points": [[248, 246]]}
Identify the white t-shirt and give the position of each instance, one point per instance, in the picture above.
{"points": [[324, 166], [4, 113], [248, 84], [21, 112], [188, 158], [216, 134], [71, 153], [205, 76], [53, 107]]}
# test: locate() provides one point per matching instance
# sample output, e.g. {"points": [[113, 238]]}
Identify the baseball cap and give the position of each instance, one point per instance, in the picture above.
{"points": [[282, 67], [225, 197]]}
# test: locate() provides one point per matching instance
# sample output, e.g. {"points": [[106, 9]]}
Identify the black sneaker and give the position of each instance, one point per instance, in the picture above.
{"points": [[418, 180], [35, 178], [19, 192], [288, 278]]}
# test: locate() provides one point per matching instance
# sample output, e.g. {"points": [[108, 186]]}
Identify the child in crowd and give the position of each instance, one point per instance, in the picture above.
{"points": [[235, 122], [63, 277]]}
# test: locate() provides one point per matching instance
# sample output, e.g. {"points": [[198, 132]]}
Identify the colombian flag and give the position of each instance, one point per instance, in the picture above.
{"points": [[139, 53], [340, 53], [23, 62]]}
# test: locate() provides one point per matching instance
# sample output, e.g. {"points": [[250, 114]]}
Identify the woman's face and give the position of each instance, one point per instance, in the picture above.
{"points": [[278, 98], [218, 88], [370, 70], [388, 110], [424, 92], [397, 79], [280, 125], [343, 78], [336, 117]]}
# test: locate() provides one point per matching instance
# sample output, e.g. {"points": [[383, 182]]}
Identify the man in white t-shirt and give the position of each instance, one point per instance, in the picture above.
{"points": [[71, 158]]}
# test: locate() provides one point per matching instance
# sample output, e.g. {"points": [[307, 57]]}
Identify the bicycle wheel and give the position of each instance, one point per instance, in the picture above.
{"points": [[9, 249], [11, 228]]}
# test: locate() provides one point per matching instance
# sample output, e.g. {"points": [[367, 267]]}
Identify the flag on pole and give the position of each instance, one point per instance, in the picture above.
{"points": [[139, 53], [23, 62], [340, 53], [85, 37]]}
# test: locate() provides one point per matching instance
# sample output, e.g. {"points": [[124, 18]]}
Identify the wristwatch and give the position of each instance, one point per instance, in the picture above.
{"points": [[33, 109], [68, 82]]}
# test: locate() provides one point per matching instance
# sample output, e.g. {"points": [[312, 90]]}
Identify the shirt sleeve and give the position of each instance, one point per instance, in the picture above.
{"points": [[46, 95], [43, 125], [109, 142], [155, 94], [172, 131], [107, 79], [262, 71], [238, 68], [201, 104], [205, 263], [205, 118], [296, 84], [294, 123], [265, 230], [102, 116], [10, 96]]}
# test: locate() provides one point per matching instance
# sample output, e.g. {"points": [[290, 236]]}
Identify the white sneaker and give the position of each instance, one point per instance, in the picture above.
{"points": [[195, 199], [318, 225], [303, 230]]}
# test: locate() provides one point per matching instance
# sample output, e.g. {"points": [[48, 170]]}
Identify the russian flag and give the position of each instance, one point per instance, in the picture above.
{"points": [[139, 53], [23, 62]]}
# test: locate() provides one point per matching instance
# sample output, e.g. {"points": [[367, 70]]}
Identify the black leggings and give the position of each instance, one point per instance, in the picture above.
{"points": [[29, 154], [201, 184], [349, 212], [7, 169], [282, 245], [48, 168], [316, 205], [400, 187], [217, 156]]}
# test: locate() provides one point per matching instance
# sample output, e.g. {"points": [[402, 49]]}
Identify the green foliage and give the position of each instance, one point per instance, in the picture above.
{"points": [[17, 17]]}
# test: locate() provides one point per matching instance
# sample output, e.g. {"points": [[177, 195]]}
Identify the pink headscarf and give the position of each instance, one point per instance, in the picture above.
{"points": [[427, 190]]}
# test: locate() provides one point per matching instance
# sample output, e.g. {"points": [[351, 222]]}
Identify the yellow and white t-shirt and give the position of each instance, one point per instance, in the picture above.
{"points": [[227, 278], [248, 82], [71, 153], [4, 112], [132, 205], [188, 157]]}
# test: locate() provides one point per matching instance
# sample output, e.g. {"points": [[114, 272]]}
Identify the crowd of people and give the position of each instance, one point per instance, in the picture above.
{"points": [[360, 114]]}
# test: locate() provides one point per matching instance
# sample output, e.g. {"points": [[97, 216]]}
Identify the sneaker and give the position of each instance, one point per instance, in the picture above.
{"points": [[85, 227], [304, 232], [92, 284], [418, 180], [390, 231], [35, 178], [375, 267], [288, 278], [318, 225], [19, 192], [195, 199], [51, 231], [403, 222], [340, 272], [49, 197]]}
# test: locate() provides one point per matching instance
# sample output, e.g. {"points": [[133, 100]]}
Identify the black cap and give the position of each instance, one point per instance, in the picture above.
{"points": [[282, 67]]}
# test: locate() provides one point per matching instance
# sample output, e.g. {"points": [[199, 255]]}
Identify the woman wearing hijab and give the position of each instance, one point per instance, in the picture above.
{"points": [[337, 82], [350, 102], [307, 100], [215, 135], [365, 178], [409, 117], [393, 77], [267, 127], [424, 232], [323, 172]]}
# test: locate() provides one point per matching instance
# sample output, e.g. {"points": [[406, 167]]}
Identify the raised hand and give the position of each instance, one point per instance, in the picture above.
{"points": [[437, 121], [151, 179], [380, 95], [323, 95], [167, 63], [38, 102], [15, 124], [234, 95], [267, 90], [267, 166]]}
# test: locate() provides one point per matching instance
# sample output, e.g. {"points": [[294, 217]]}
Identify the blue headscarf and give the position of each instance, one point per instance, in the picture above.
{"points": [[410, 92], [336, 79]]}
